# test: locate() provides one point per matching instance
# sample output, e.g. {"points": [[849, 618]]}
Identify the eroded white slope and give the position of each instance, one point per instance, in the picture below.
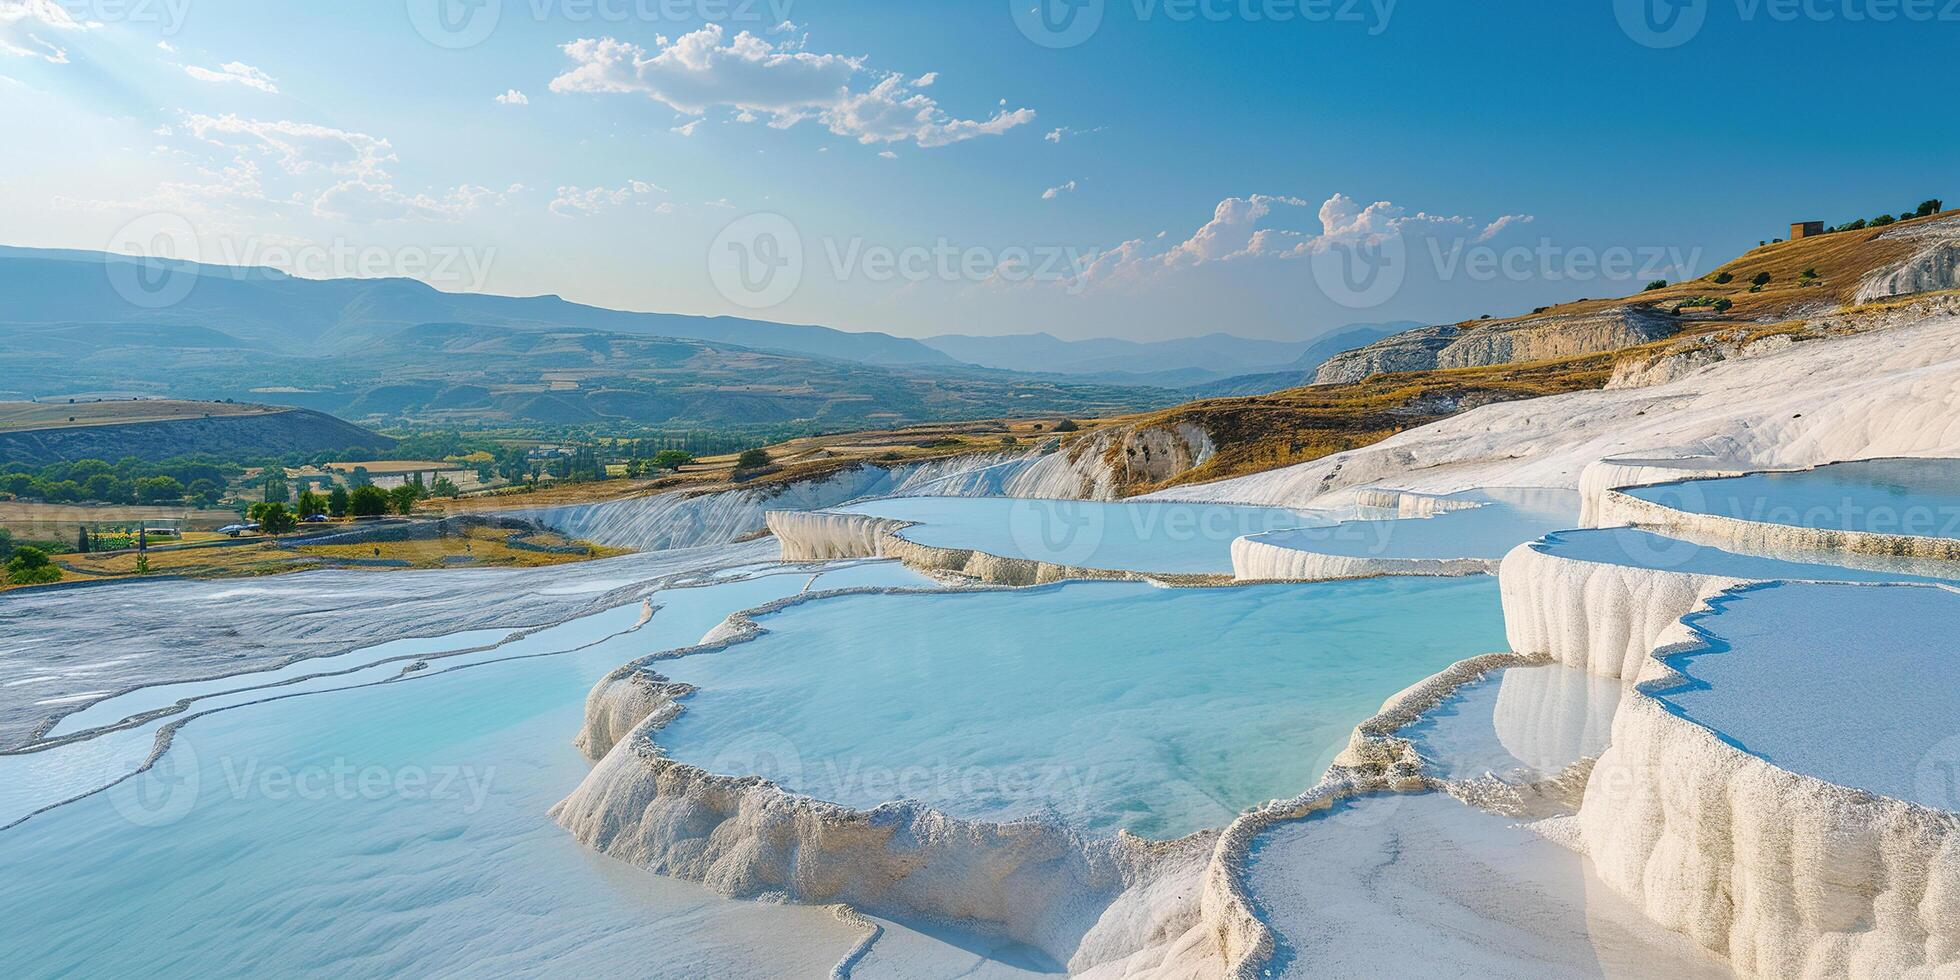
{"points": [[685, 520], [1888, 393]]}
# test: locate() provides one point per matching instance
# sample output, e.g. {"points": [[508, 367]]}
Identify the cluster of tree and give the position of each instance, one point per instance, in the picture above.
{"points": [[192, 479], [1926, 207], [29, 565]]}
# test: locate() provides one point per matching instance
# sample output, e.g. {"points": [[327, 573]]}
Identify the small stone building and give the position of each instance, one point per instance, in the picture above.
{"points": [[1806, 229]]}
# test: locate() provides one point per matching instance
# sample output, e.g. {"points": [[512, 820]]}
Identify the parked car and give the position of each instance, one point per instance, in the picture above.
{"points": [[314, 519]]}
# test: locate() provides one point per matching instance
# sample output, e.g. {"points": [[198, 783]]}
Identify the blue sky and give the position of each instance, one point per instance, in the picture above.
{"points": [[928, 168]]}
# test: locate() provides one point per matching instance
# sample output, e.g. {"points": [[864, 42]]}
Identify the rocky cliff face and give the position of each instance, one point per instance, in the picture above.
{"points": [[1501, 342]]}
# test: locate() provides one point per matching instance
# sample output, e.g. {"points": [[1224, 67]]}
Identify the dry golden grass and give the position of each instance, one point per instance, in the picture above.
{"points": [[474, 548], [1303, 424]]}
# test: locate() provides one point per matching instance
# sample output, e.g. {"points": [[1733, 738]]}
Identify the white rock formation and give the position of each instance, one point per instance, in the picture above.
{"points": [[1784, 874], [1256, 560], [684, 519], [1934, 265], [1884, 393], [1597, 617]]}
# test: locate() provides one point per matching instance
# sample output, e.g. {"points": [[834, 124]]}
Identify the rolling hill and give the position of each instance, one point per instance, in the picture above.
{"points": [[41, 432]]}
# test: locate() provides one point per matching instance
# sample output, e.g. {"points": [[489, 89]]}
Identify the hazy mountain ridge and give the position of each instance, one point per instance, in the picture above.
{"points": [[266, 307]]}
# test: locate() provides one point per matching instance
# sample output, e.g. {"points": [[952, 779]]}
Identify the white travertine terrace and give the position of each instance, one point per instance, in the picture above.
{"points": [[1865, 549], [1781, 872], [1256, 560], [1893, 392], [1465, 534]]}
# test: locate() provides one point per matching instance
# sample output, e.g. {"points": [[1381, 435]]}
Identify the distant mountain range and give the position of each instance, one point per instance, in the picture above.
{"points": [[384, 351], [1303, 368], [270, 308]]}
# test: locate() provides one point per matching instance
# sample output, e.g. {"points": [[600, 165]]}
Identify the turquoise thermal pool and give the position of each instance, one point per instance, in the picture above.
{"points": [[1529, 722], [432, 853], [1918, 497], [1503, 520], [1106, 705], [1853, 684], [1145, 536]]}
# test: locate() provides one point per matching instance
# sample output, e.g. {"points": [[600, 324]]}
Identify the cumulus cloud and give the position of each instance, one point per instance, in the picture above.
{"points": [[23, 24], [297, 147], [281, 167], [379, 201], [575, 201], [1275, 227], [513, 97], [1497, 227], [1060, 133], [1057, 191], [235, 72], [687, 128], [783, 84]]}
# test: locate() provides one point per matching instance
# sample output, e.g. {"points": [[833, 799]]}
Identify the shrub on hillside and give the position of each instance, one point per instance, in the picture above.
{"points": [[30, 566], [752, 459], [368, 501]]}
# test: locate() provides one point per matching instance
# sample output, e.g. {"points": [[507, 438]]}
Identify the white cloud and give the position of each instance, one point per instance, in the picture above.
{"points": [[166, 47], [575, 201], [283, 167], [22, 23], [1057, 191], [1059, 133], [235, 72], [889, 155], [1272, 227], [781, 83], [513, 97], [378, 201], [298, 148], [688, 128], [1497, 227]]}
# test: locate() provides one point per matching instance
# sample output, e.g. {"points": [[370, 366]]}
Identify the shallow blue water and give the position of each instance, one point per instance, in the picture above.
{"points": [[397, 829], [1506, 519], [1152, 536], [1919, 497], [1645, 549], [1162, 711], [1853, 684]]}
